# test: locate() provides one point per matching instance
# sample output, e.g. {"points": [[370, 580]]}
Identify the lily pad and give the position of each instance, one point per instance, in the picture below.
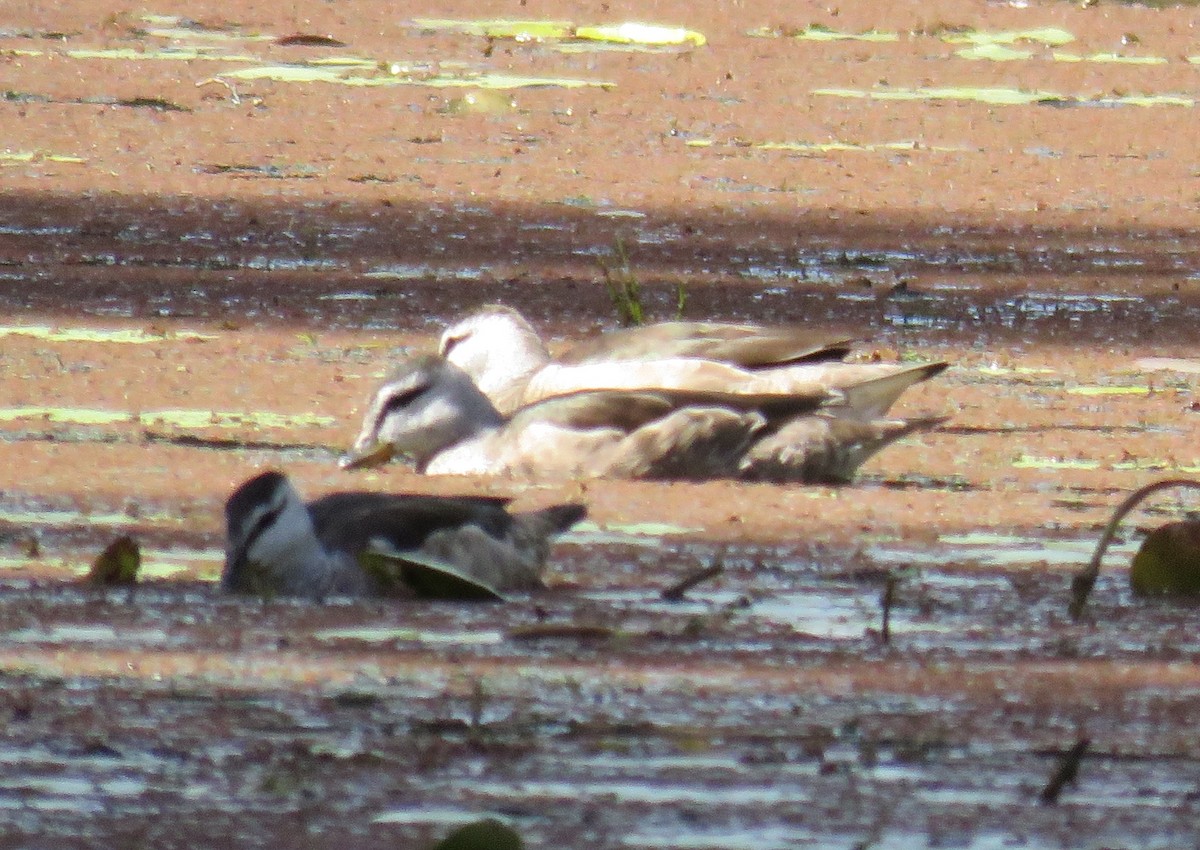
{"points": [[117, 565], [1168, 562], [486, 834]]}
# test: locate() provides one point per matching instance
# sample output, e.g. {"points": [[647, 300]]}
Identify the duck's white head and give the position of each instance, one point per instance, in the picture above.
{"points": [[426, 405], [496, 346]]}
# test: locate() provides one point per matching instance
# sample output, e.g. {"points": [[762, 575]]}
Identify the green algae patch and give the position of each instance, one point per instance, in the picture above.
{"points": [[130, 336], [817, 32], [1048, 36], [394, 75], [515, 30], [1113, 390], [840, 147], [170, 54], [993, 53], [1034, 462], [389, 634], [629, 33], [992, 96], [181, 418], [650, 35], [195, 419], [178, 28], [65, 415], [1005, 96], [1110, 58], [40, 156]]}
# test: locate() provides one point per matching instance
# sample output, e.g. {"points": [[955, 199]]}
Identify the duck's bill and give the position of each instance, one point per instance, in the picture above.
{"points": [[365, 458]]}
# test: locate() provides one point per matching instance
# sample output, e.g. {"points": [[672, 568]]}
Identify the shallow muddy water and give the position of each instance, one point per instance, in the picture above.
{"points": [[213, 243]]}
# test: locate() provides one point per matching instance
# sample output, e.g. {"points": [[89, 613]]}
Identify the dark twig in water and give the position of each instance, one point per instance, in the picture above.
{"points": [[886, 601], [677, 591], [1085, 579], [1067, 771]]}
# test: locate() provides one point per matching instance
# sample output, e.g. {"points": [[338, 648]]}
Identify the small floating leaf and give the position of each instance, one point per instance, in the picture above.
{"points": [[486, 834], [1168, 562], [156, 103], [175, 54], [117, 565], [37, 156], [817, 32], [1111, 58], [993, 53], [1033, 462], [1007, 97], [635, 33], [305, 40], [428, 577], [122, 335], [361, 76], [1115, 390], [1051, 36], [500, 28]]}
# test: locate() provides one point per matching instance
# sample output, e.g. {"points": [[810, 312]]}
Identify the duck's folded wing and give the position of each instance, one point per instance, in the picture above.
{"points": [[395, 522], [753, 346], [616, 409]]}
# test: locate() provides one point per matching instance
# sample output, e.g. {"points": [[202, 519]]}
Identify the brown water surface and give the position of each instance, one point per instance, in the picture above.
{"points": [[204, 274]]}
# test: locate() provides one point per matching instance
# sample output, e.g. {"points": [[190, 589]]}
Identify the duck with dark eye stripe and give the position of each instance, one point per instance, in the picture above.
{"points": [[450, 428], [276, 545]]}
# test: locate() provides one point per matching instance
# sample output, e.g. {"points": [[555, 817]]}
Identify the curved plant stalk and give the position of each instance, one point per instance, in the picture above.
{"points": [[1085, 579]]}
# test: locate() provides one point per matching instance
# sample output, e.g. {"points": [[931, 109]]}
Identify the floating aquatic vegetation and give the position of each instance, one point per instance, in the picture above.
{"points": [[357, 74], [1007, 97], [132, 336], [819, 32], [1166, 564], [1111, 58], [308, 40], [868, 147], [1049, 36], [179, 418], [39, 156], [271, 171], [389, 634], [629, 33], [185, 29], [993, 53], [1109, 390], [117, 565], [486, 834], [172, 54]]}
